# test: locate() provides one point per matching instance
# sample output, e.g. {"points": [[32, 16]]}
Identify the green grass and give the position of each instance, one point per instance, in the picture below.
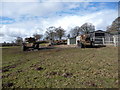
{"points": [[9, 47], [60, 68]]}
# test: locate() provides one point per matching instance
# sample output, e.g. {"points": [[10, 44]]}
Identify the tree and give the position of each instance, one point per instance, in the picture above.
{"points": [[75, 31], [68, 36], [115, 27], [50, 33], [37, 36], [60, 32], [108, 28], [19, 40], [87, 28]]}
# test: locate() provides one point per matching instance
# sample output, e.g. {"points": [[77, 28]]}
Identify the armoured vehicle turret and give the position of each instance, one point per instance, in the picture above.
{"points": [[30, 43], [85, 40]]}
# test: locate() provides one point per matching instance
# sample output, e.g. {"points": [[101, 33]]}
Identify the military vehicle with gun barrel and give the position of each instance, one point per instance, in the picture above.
{"points": [[30, 43], [91, 39]]}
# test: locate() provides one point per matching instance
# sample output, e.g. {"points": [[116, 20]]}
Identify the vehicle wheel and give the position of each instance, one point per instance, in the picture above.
{"points": [[36, 46], [92, 44], [81, 45], [24, 48]]}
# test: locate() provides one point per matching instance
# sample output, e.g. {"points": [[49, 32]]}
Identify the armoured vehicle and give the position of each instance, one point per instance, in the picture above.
{"points": [[30, 43], [92, 39], [84, 41]]}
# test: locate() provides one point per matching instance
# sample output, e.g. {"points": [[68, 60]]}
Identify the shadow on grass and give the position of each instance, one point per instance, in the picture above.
{"points": [[46, 48], [98, 46], [41, 48], [53, 47]]}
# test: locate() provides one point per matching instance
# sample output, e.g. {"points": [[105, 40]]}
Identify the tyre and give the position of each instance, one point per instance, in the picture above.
{"points": [[24, 48], [92, 44], [81, 45], [37, 46]]}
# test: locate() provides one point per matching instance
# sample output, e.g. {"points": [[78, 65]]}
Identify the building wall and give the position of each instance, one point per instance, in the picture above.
{"points": [[108, 39], [71, 41]]}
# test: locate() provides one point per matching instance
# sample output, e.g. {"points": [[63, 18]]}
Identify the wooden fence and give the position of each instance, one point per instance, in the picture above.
{"points": [[113, 40]]}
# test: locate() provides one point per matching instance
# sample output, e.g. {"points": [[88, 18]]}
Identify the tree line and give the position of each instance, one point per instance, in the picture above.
{"points": [[57, 33], [53, 33]]}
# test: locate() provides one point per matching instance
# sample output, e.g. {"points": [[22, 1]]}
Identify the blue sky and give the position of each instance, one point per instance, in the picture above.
{"points": [[79, 9], [26, 18]]}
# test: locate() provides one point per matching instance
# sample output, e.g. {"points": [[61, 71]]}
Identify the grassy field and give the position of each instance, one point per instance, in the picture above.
{"points": [[60, 68]]}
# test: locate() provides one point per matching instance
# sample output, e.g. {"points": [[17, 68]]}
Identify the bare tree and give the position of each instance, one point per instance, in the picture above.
{"points": [[60, 32], [68, 36], [19, 40], [37, 36], [115, 27], [50, 33], [75, 31], [87, 28]]}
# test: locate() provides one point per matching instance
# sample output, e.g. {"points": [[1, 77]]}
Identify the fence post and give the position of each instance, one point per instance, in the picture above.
{"points": [[109, 41], [103, 41], [114, 41], [68, 41], [118, 41]]}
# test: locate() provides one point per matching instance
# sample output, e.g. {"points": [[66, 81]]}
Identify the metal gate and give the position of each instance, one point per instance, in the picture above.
{"points": [[114, 40]]}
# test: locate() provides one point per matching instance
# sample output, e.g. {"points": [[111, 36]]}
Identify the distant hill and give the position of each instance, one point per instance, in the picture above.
{"points": [[115, 27]]}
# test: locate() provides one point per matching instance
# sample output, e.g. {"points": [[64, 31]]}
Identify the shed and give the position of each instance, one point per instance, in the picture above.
{"points": [[71, 41], [99, 37], [98, 34]]}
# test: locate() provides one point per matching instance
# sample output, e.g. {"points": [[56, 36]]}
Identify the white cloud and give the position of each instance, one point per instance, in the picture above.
{"points": [[100, 19], [15, 10], [9, 34], [47, 17]]}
